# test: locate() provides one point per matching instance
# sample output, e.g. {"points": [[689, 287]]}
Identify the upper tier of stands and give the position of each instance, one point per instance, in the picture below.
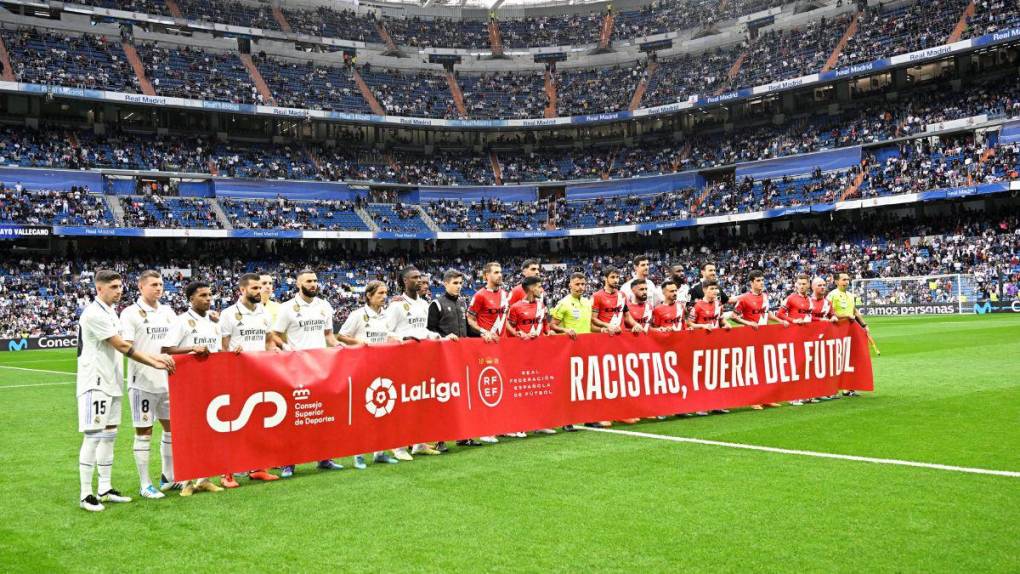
{"points": [[190, 72]]}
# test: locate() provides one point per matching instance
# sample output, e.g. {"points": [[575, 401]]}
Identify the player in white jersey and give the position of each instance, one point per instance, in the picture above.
{"points": [[407, 315], [246, 327], [367, 325], [100, 386], [196, 333], [303, 323], [642, 267], [407, 318], [146, 324]]}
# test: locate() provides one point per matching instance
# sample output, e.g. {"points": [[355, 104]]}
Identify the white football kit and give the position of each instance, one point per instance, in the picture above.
{"points": [[100, 379], [305, 323], [149, 329], [366, 325], [246, 328], [407, 317]]}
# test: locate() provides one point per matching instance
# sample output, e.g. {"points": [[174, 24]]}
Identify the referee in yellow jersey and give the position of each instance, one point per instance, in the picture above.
{"points": [[572, 315], [844, 305]]}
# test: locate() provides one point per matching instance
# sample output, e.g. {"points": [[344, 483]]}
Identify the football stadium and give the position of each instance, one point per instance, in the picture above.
{"points": [[510, 285]]}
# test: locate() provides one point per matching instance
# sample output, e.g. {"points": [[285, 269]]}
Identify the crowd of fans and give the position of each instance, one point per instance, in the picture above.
{"points": [[76, 206], [282, 213], [76, 60], [39, 295], [157, 211], [487, 215], [193, 73]]}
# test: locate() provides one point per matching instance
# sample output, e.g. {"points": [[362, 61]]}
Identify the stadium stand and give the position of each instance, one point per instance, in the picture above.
{"points": [[77, 60], [77, 206], [187, 72], [168, 212], [37, 298], [287, 214]]}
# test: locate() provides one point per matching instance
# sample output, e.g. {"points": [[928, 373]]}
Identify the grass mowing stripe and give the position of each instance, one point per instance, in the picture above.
{"points": [[934, 466]]}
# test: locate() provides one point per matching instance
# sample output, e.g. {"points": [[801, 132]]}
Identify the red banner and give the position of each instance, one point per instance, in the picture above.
{"points": [[234, 412]]}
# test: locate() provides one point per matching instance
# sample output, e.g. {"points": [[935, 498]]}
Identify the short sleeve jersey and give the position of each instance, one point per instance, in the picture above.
{"points": [[149, 329], [843, 303], [754, 308], [609, 307], [669, 316], [194, 330], [529, 317], [490, 308], [99, 364], [246, 328], [305, 322], [705, 313], [366, 325], [574, 313]]}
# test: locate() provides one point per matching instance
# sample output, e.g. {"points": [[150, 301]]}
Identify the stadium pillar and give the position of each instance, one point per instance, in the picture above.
{"points": [[899, 79], [962, 63], [843, 92]]}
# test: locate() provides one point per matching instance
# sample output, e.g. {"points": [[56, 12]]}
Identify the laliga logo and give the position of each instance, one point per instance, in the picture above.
{"points": [[220, 401], [380, 397]]}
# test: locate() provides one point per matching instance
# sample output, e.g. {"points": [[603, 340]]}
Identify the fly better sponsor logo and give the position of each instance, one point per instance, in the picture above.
{"points": [[382, 394]]}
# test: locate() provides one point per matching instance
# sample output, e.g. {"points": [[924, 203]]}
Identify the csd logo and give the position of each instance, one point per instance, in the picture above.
{"points": [[220, 425], [380, 397]]}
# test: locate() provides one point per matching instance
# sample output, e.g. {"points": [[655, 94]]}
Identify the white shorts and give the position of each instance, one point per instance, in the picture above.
{"points": [[97, 410], [147, 408]]}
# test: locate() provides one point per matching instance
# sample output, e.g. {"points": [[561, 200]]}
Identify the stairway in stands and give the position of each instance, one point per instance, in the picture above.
{"points": [[138, 67], [256, 78]]}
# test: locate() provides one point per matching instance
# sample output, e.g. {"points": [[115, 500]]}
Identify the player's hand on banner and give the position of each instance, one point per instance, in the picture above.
{"points": [[165, 363], [200, 350], [489, 336], [727, 326], [451, 337], [571, 333], [785, 324]]}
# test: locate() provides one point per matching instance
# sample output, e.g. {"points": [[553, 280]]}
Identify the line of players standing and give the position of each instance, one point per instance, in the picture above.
{"points": [[149, 334]]}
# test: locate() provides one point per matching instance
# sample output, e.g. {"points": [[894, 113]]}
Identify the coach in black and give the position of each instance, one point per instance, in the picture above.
{"points": [[708, 273], [447, 312]]}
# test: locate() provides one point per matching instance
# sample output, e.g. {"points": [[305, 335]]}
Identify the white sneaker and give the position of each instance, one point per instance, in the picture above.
{"points": [[151, 492], [488, 439], [797, 403], [402, 454], [545, 431], [702, 413], [114, 496], [91, 503]]}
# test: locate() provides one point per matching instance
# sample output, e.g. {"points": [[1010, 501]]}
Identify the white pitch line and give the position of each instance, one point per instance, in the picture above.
{"points": [[892, 461], [37, 370], [2, 387]]}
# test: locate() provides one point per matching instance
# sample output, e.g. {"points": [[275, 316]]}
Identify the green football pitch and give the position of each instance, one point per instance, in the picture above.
{"points": [[947, 393]]}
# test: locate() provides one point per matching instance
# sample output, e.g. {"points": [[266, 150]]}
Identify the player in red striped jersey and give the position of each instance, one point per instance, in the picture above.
{"points": [[670, 315], [609, 306], [641, 306], [797, 307], [527, 318], [753, 310], [797, 310], [489, 307], [530, 268], [706, 313], [821, 307]]}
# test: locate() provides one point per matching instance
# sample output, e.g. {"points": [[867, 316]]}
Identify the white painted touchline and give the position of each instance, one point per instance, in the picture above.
{"points": [[2, 387], [892, 461], [37, 370]]}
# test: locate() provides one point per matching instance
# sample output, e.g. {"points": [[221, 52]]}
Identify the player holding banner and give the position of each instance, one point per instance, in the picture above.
{"points": [[490, 305], [609, 313], [368, 325], [306, 322], [753, 310], [147, 325], [528, 319], [99, 389], [245, 327], [670, 315], [195, 333], [706, 315], [641, 306]]}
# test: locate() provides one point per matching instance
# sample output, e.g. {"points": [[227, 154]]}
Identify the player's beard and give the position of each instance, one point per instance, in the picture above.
{"points": [[254, 299], [310, 293]]}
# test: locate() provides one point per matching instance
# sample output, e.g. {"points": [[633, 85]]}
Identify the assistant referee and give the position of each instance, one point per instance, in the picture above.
{"points": [[844, 305]]}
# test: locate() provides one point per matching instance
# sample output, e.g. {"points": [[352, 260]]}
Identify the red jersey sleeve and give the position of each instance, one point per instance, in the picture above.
{"points": [[476, 304], [738, 309]]}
